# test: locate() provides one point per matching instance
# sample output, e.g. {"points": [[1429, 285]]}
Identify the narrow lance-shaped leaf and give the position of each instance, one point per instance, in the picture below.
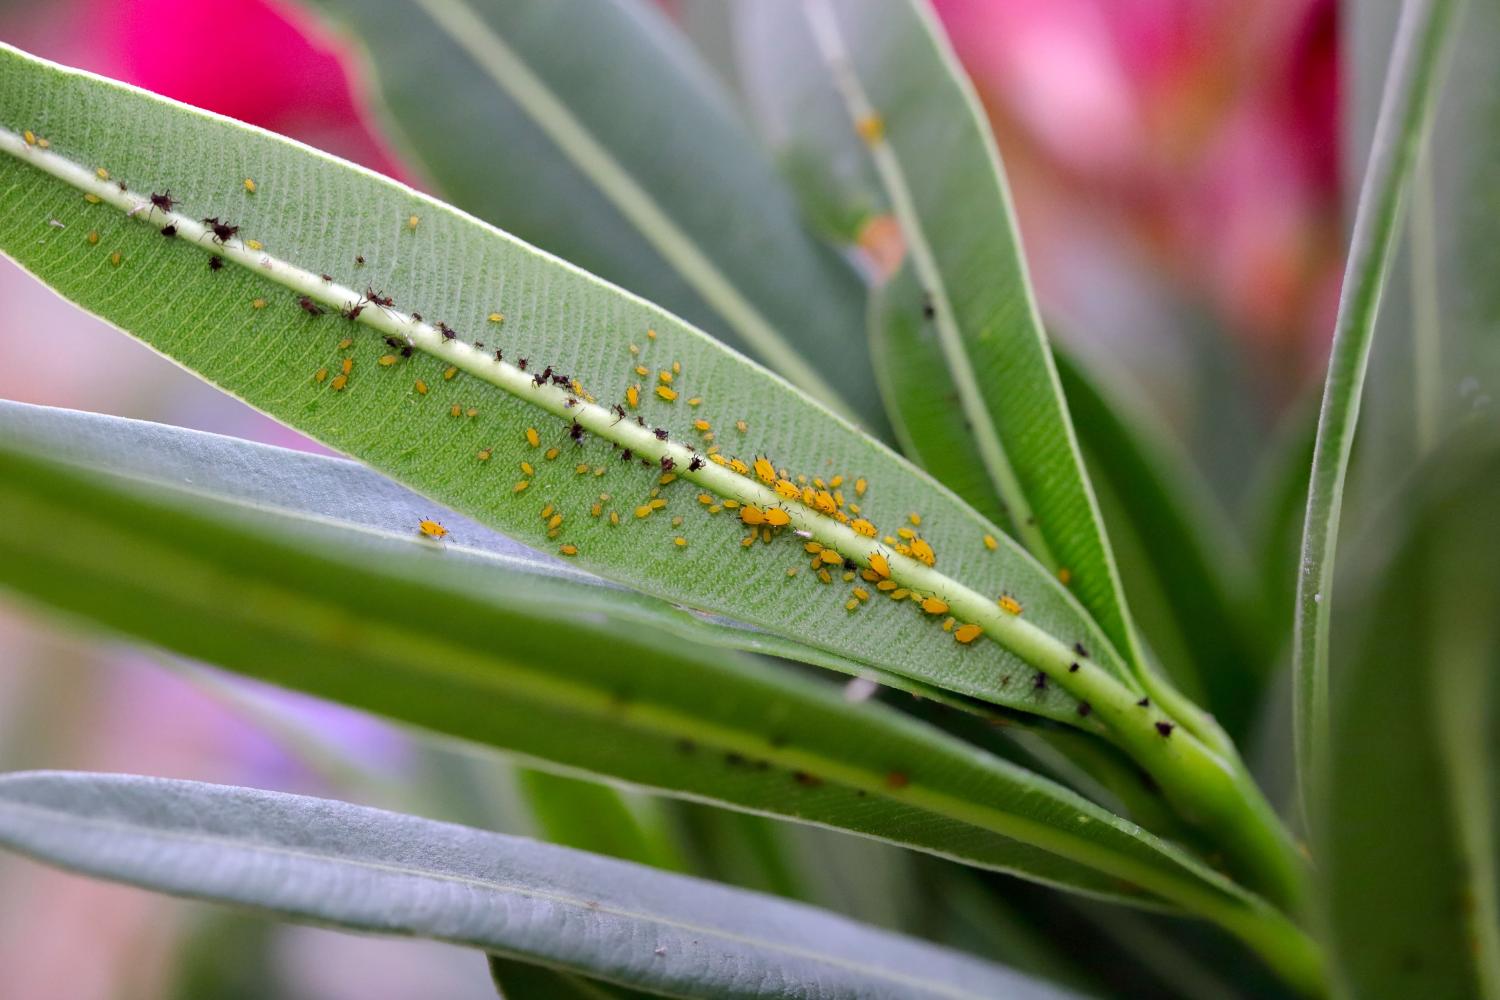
{"points": [[455, 404], [591, 129], [937, 164], [475, 655], [1410, 91], [1415, 910], [337, 491], [369, 870]]}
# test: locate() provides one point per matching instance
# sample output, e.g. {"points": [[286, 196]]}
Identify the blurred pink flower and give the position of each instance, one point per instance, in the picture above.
{"points": [[1207, 132]]}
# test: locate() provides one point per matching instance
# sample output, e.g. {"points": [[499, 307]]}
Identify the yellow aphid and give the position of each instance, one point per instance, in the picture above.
{"points": [[934, 605], [741, 426], [255, 244], [658, 503], [651, 334], [823, 576], [702, 425], [680, 542], [533, 438], [92, 199], [346, 343], [101, 173], [885, 585], [752, 514], [747, 541], [830, 557], [44, 143], [614, 518], [644, 510], [666, 392], [29, 136], [1064, 575], [665, 377], [906, 533], [792, 570], [667, 477], [739, 466], [320, 375], [900, 594], [93, 238], [548, 511], [990, 543], [813, 547], [854, 508], [677, 368], [551, 453], [714, 456], [387, 360], [448, 374], [788, 489], [250, 185], [554, 522], [879, 564], [923, 552], [915, 519], [860, 486], [527, 468], [696, 401], [818, 482], [521, 486], [642, 371], [732, 504], [968, 633], [635, 348], [836, 482], [778, 518], [497, 317], [484, 455], [347, 365], [765, 470], [633, 396], [432, 529], [257, 303], [706, 499], [567, 550], [677, 521], [338, 383], [413, 221], [1009, 605], [421, 387], [472, 412], [455, 410], [597, 509], [870, 128], [864, 527], [581, 468], [948, 623], [824, 501], [861, 593], [115, 259], [850, 604]]}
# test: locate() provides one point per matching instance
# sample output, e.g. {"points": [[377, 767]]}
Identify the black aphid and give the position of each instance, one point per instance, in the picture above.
{"points": [[215, 262]]}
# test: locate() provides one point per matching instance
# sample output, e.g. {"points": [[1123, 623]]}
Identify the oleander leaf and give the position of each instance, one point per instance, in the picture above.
{"points": [[345, 866]]}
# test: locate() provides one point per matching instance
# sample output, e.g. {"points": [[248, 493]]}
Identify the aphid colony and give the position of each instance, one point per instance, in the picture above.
{"points": [[764, 521]]}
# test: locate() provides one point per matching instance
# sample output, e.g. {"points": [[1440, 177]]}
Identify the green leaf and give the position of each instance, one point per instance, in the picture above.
{"points": [[1410, 91], [937, 164], [398, 413], [454, 269], [331, 490], [1409, 834], [405, 632], [590, 817], [591, 129], [365, 869]]}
